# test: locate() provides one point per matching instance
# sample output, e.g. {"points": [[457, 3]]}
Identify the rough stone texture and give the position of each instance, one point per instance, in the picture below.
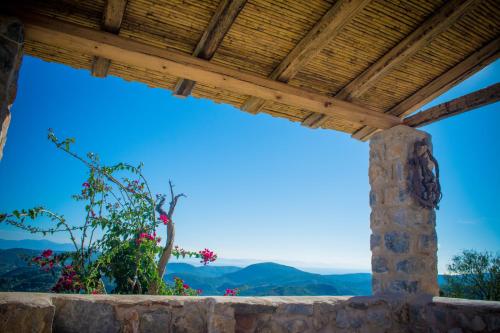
{"points": [[25, 312], [403, 240], [455, 315], [11, 51]]}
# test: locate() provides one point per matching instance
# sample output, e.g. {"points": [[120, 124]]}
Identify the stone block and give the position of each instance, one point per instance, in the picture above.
{"points": [[397, 242], [411, 266], [72, 315], [379, 265], [404, 286], [375, 241], [25, 312], [154, 321], [427, 243]]}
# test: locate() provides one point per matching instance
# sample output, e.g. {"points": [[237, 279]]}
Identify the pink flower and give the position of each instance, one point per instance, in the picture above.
{"points": [[207, 256], [164, 218], [47, 253], [185, 286], [144, 235], [232, 292], [86, 184]]}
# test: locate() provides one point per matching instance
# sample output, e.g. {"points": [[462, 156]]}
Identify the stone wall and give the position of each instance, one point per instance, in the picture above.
{"points": [[25, 312], [403, 240], [11, 51]]}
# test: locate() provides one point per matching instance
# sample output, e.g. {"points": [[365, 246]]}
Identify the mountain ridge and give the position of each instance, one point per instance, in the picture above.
{"points": [[261, 279]]}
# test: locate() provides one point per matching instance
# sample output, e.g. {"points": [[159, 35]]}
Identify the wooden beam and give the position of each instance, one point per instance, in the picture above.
{"points": [[89, 41], [439, 22], [111, 22], [455, 107], [325, 30], [219, 25], [472, 64]]}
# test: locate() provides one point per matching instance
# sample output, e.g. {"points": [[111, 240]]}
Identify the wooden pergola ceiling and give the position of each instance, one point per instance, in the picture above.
{"points": [[111, 22], [356, 66]]}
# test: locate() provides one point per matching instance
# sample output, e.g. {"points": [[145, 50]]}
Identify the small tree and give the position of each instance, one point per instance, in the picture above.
{"points": [[118, 237], [473, 275]]}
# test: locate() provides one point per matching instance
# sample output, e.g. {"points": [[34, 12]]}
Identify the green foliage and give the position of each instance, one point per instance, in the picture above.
{"points": [[473, 275], [119, 207]]}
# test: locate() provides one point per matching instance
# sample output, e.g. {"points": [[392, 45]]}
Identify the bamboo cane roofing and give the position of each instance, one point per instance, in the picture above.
{"points": [[265, 31]]}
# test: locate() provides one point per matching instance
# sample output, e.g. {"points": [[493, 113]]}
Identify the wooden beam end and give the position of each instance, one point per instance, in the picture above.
{"points": [[253, 105], [313, 119], [183, 88], [100, 67]]}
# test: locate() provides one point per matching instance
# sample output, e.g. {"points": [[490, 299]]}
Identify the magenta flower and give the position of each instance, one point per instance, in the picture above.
{"points": [[164, 218], [207, 256], [47, 253], [232, 292]]}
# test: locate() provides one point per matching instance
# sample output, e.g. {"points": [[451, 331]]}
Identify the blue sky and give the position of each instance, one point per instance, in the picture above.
{"points": [[259, 188]]}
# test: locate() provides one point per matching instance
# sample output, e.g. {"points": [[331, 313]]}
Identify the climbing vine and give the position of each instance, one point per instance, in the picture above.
{"points": [[126, 237]]}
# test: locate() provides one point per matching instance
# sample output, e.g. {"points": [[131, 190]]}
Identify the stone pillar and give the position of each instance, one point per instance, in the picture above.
{"points": [[11, 51], [403, 240]]}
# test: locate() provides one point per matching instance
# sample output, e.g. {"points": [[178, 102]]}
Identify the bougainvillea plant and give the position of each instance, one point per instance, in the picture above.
{"points": [[232, 292], [119, 237]]}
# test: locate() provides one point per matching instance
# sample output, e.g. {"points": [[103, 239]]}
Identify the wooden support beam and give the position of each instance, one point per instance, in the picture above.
{"points": [[455, 107], [89, 41], [219, 25], [472, 64], [111, 22], [439, 22], [325, 30]]}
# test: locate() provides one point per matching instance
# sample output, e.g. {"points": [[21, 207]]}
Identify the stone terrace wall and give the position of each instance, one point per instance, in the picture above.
{"points": [[29, 312]]}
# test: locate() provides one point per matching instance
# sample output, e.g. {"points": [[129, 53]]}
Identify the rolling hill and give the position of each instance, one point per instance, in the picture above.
{"points": [[254, 280]]}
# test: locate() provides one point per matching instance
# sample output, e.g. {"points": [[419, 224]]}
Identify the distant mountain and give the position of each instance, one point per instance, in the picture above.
{"points": [[34, 244], [275, 279], [267, 272], [202, 271], [254, 280], [17, 275]]}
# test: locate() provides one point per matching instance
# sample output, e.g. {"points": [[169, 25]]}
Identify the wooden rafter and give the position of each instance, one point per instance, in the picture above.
{"points": [[325, 30], [455, 107], [99, 43], [445, 17], [472, 64], [219, 25], [111, 22]]}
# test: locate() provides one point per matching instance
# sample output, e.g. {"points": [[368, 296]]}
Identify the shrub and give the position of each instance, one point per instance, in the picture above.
{"points": [[118, 206]]}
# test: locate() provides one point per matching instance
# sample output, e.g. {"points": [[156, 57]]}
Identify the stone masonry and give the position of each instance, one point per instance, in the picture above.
{"points": [[11, 51], [403, 240], [32, 312]]}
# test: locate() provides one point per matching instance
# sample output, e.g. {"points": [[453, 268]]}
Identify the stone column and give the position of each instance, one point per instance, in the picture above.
{"points": [[11, 51], [403, 240]]}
